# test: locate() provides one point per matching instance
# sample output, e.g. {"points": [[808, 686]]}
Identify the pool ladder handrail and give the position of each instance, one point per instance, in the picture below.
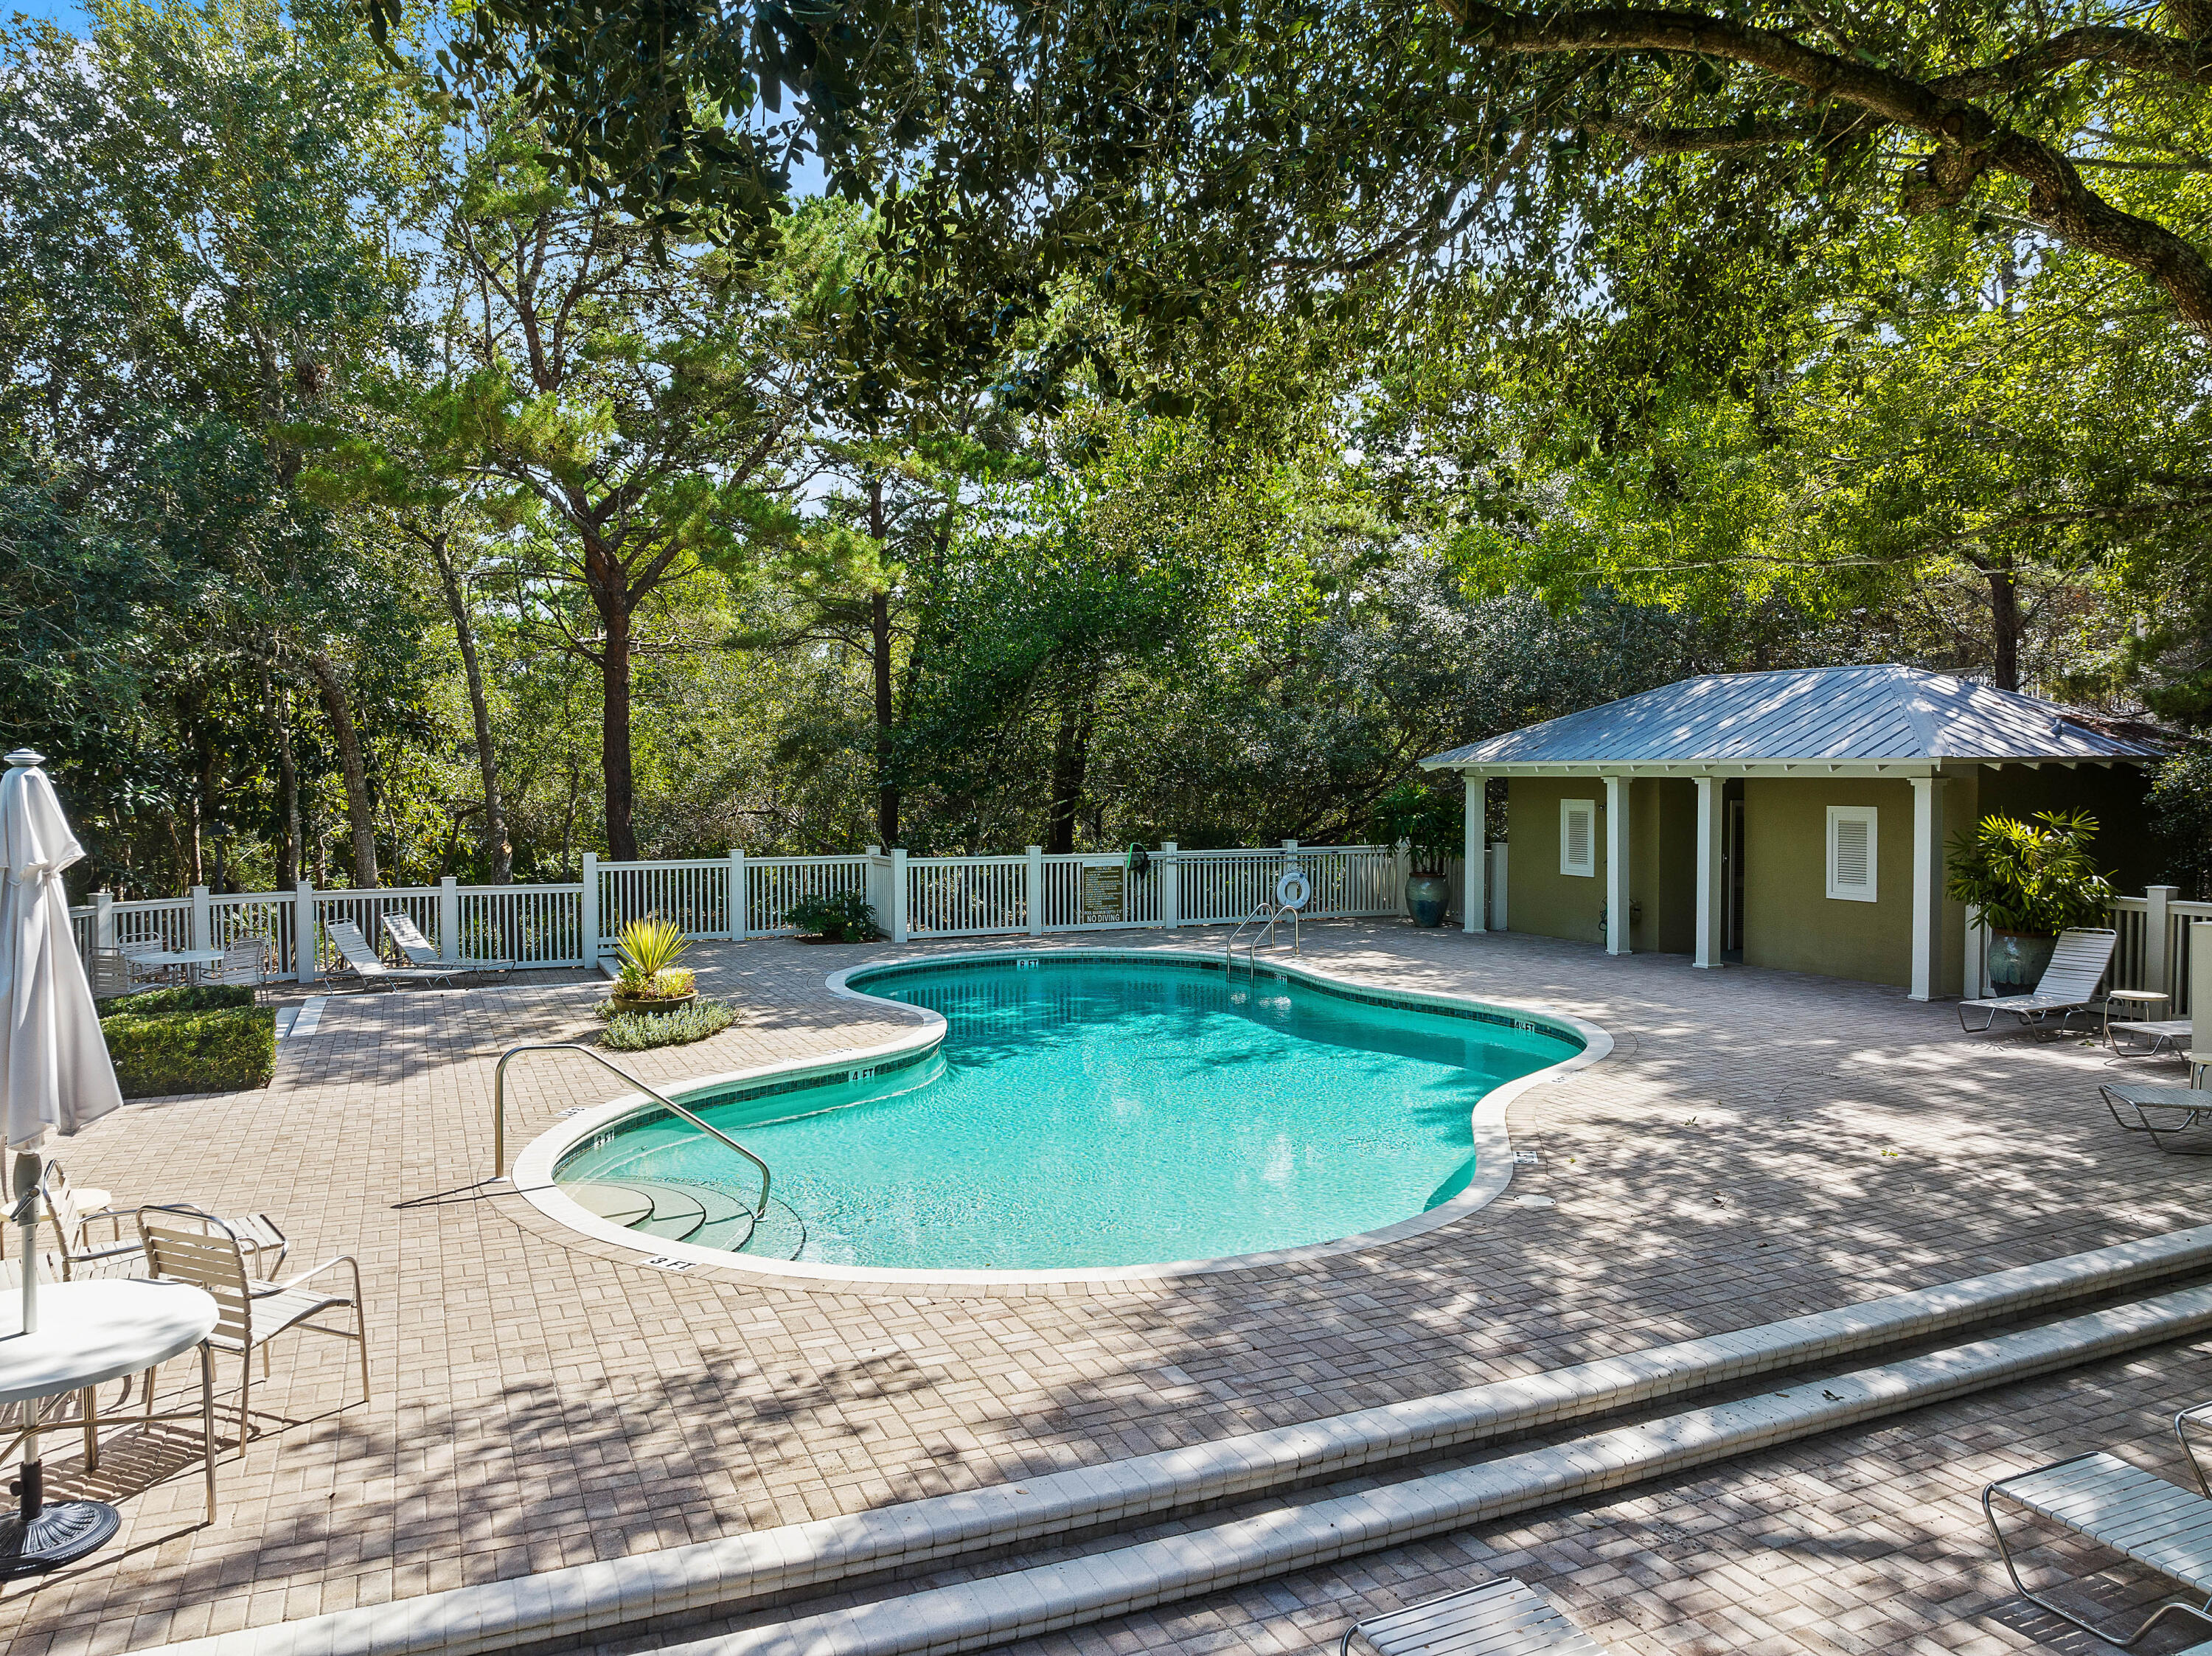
{"points": [[1272, 913], [499, 1109]]}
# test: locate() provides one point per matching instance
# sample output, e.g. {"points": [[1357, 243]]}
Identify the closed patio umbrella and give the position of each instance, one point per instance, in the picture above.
{"points": [[54, 1064]]}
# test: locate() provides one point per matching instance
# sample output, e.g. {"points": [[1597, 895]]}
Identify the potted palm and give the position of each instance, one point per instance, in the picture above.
{"points": [[2032, 881], [1432, 825], [650, 980]]}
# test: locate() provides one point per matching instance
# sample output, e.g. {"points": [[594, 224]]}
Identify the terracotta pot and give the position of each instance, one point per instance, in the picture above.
{"points": [[653, 1003], [2017, 960], [1427, 896]]}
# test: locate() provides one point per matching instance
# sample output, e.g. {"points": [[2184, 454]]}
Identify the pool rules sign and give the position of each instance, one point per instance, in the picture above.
{"points": [[1102, 895]]}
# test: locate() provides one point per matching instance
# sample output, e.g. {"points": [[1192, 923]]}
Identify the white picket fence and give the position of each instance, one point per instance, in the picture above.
{"points": [[739, 896], [2154, 950]]}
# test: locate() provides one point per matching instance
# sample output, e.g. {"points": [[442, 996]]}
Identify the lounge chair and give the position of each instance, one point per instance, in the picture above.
{"points": [[407, 937], [2163, 1113], [362, 959], [2069, 984], [184, 1245], [2119, 1507], [2164, 1035], [1504, 1617]]}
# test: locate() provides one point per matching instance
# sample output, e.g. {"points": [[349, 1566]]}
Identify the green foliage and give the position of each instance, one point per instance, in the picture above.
{"points": [[650, 945], [212, 1050], [843, 917], [638, 1032], [2181, 814], [196, 997], [2027, 877], [1432, 821]]}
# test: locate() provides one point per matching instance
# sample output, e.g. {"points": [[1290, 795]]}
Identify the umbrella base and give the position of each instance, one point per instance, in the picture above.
{"points": [[62, 1532]]}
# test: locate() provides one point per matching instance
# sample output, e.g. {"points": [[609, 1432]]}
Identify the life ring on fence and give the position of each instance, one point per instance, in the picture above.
{"points": [[1292, 888]]}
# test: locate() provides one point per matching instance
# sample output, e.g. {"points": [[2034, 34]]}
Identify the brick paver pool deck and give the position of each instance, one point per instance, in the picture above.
{"points": [[1759, 1145]]}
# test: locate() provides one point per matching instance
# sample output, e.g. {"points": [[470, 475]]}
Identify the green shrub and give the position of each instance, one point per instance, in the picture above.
{"points": [[2033, 877], [638, 1032], [206, 998], [844, 918], [224, 1049]]}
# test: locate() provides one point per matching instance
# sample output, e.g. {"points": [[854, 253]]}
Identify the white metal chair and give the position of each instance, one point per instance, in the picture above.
{"points": [[2069, 984], [110, 974], [361, 960], [2125, 1509], [184, 1245], [75, 1209], [1504, 1617], [244, 962], [419, 951]]}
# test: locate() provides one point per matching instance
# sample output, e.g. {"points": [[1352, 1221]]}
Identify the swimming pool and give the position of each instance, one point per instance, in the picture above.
{"points": [[1085, 1112]]}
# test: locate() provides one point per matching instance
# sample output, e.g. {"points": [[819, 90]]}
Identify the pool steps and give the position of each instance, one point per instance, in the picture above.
{"points": [[725, 1575]]}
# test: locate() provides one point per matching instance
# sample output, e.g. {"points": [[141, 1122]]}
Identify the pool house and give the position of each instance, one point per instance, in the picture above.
{"points": [[1795, 819]]}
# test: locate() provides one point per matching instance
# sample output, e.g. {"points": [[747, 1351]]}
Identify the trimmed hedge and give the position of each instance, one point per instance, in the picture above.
{"points": [[219, 1049], [204, 997]]}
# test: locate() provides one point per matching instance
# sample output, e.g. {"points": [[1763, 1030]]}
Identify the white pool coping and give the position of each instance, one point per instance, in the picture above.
{"points": [[1493, 1145]]}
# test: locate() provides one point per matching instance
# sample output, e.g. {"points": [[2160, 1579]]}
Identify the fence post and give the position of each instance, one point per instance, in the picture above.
{"points": [[1170, 886], [1036, 891], [898, 895], [307, 964], [590, 940], [740, 922], [1496, 886], [103, 920], [1401, 870], [449, 918], [2200, 980], [2158, 939], [200, 918]]}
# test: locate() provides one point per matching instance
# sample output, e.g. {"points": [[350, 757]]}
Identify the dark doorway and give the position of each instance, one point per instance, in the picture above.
{"points": [[1732, 872]]}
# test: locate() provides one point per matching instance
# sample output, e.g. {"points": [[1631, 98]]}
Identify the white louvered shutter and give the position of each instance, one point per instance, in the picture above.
{"points": [[1578, 836], [1851, 853]]}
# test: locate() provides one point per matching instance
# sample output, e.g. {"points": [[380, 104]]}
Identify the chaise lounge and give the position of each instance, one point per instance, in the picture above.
{"points": [[2068, 986]]}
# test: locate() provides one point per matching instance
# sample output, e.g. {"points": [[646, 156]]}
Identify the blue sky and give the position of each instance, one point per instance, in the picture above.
{"points": [[65, 12]]}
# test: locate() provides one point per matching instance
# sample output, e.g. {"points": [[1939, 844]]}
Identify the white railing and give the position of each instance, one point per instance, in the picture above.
{"points": [[2154, 949], [739, 896]]}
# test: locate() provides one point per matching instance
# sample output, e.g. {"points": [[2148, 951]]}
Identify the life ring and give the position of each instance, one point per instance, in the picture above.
{"points": [[1292, 888]]}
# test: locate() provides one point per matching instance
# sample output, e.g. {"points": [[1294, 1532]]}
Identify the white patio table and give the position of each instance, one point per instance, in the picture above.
{"points": [[187, 958], [90, 1333]]}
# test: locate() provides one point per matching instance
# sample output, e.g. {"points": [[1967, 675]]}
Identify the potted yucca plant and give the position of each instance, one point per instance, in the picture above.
{"points": [[650, 980], [2032, 881]]}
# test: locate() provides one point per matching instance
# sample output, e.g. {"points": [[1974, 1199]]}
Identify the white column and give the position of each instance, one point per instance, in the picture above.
{"points": [[305, 966], [1974, 963], [1711, 871], [1035, 903], [2200, 986], [740, 922], [588, 925], [449, 919], [202, 926], [1471, 872], [1927, 886], [2158, 964], [1617, 897], [103, 920], [1170, 886], [897, 917]]}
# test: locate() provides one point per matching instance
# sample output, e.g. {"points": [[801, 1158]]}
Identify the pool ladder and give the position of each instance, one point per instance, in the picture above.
{"points": [[499, 1109], [1272, 913]]}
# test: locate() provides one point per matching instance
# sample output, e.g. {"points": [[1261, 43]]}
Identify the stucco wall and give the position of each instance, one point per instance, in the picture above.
{"points": [[1539, 898], [1790, 922]]}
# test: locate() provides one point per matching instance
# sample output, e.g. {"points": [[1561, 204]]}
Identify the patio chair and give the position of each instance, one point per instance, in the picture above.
{"points": [[2163, 1113], [2120, 1507], [362, 962], [75, 1209], [419, 951], [111, 973], [244, 962], [2069, 984], [1504, 1617], [184, 1245]]}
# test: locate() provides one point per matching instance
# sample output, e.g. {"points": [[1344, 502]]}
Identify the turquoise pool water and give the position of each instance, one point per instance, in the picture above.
{"points": [[1086, 1112]]}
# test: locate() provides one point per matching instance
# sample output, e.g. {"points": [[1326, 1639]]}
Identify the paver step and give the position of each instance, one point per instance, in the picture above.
{"points": [[719, 1577]]}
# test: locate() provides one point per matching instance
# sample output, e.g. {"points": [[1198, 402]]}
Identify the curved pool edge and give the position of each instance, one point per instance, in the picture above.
{"points": [[1494, 1164]]}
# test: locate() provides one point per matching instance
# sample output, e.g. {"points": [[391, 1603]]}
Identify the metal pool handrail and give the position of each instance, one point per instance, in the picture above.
{"points": [[499, 1108]]}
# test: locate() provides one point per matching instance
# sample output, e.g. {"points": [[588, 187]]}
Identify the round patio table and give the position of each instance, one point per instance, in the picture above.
{"points": [[90, 1334]]}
